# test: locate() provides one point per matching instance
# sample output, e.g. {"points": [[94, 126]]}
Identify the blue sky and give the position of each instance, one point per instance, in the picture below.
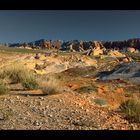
{"points": [[31, 25]]}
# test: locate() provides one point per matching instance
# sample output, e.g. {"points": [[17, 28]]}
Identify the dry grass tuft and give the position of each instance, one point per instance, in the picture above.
{"points": [[19, 74], [3, 88], [53, 87], [131, 108]]}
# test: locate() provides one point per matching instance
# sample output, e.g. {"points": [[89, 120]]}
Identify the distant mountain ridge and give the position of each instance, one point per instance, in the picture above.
{"points": [[78, 45]]}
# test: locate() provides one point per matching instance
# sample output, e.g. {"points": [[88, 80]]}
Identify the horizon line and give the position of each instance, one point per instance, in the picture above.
{"points": [[65, 40]]}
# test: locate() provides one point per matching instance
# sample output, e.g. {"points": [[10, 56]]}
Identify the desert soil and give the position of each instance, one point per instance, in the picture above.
{"points": [[70, 110]]}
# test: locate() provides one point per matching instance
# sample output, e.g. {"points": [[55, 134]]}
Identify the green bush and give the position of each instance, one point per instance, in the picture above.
{"points": [[131, 108], [3, 88]]}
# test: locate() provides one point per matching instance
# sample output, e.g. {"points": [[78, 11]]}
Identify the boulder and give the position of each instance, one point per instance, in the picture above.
{"points": [[131, 49], [88, 61], [115, 53], [37, 56], [98, 48]]}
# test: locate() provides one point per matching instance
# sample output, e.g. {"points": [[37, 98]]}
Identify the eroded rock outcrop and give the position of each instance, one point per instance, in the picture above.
{"points": [[131, 45], [98, 48], [125, 71], [115, 53], [120, 45]]}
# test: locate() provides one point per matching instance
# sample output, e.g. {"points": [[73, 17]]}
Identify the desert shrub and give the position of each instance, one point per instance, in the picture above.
{"points": [[53, 87], [3, 88], [30, 83], [131, 108], [100, 101], [14, 72], [20, 74]]}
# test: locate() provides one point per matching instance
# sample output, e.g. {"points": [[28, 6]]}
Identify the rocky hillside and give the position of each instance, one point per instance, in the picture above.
{"points": [[76, 45], [135, 43], [129, 71]]}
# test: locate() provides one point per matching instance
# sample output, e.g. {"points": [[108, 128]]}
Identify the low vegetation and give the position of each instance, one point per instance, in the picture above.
{"points": [[53, 87], [19, 50], [15, 73], [131, 108], [100, 101], [3, 88], [30, 83], [19, 74], [86, 89]]}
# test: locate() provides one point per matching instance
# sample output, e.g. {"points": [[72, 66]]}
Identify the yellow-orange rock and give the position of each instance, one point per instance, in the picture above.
{"points": [[131, 49]]}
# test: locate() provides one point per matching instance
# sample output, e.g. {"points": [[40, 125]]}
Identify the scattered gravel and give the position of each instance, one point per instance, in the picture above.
{"points": [[58, 112]]}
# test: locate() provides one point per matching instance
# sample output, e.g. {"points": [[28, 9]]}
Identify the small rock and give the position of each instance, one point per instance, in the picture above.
{"points": [[40, 103], [22, 101], [41, 98], [12, 127], [5, 100], [31, 102], [77, 122], [28, 113], [60, 100], [46, 121], [50, 115], [27, 95], [1, 116], [87, 110], [11, 101], [24, 118], [17, 97], [36, 123], [47, 107], [44, 112], [43, 109], [67, 118], [19, 114], [82, 107], [8, 106]]}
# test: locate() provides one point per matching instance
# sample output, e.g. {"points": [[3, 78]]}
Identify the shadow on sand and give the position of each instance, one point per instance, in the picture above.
{"points": [[30, 94]]}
